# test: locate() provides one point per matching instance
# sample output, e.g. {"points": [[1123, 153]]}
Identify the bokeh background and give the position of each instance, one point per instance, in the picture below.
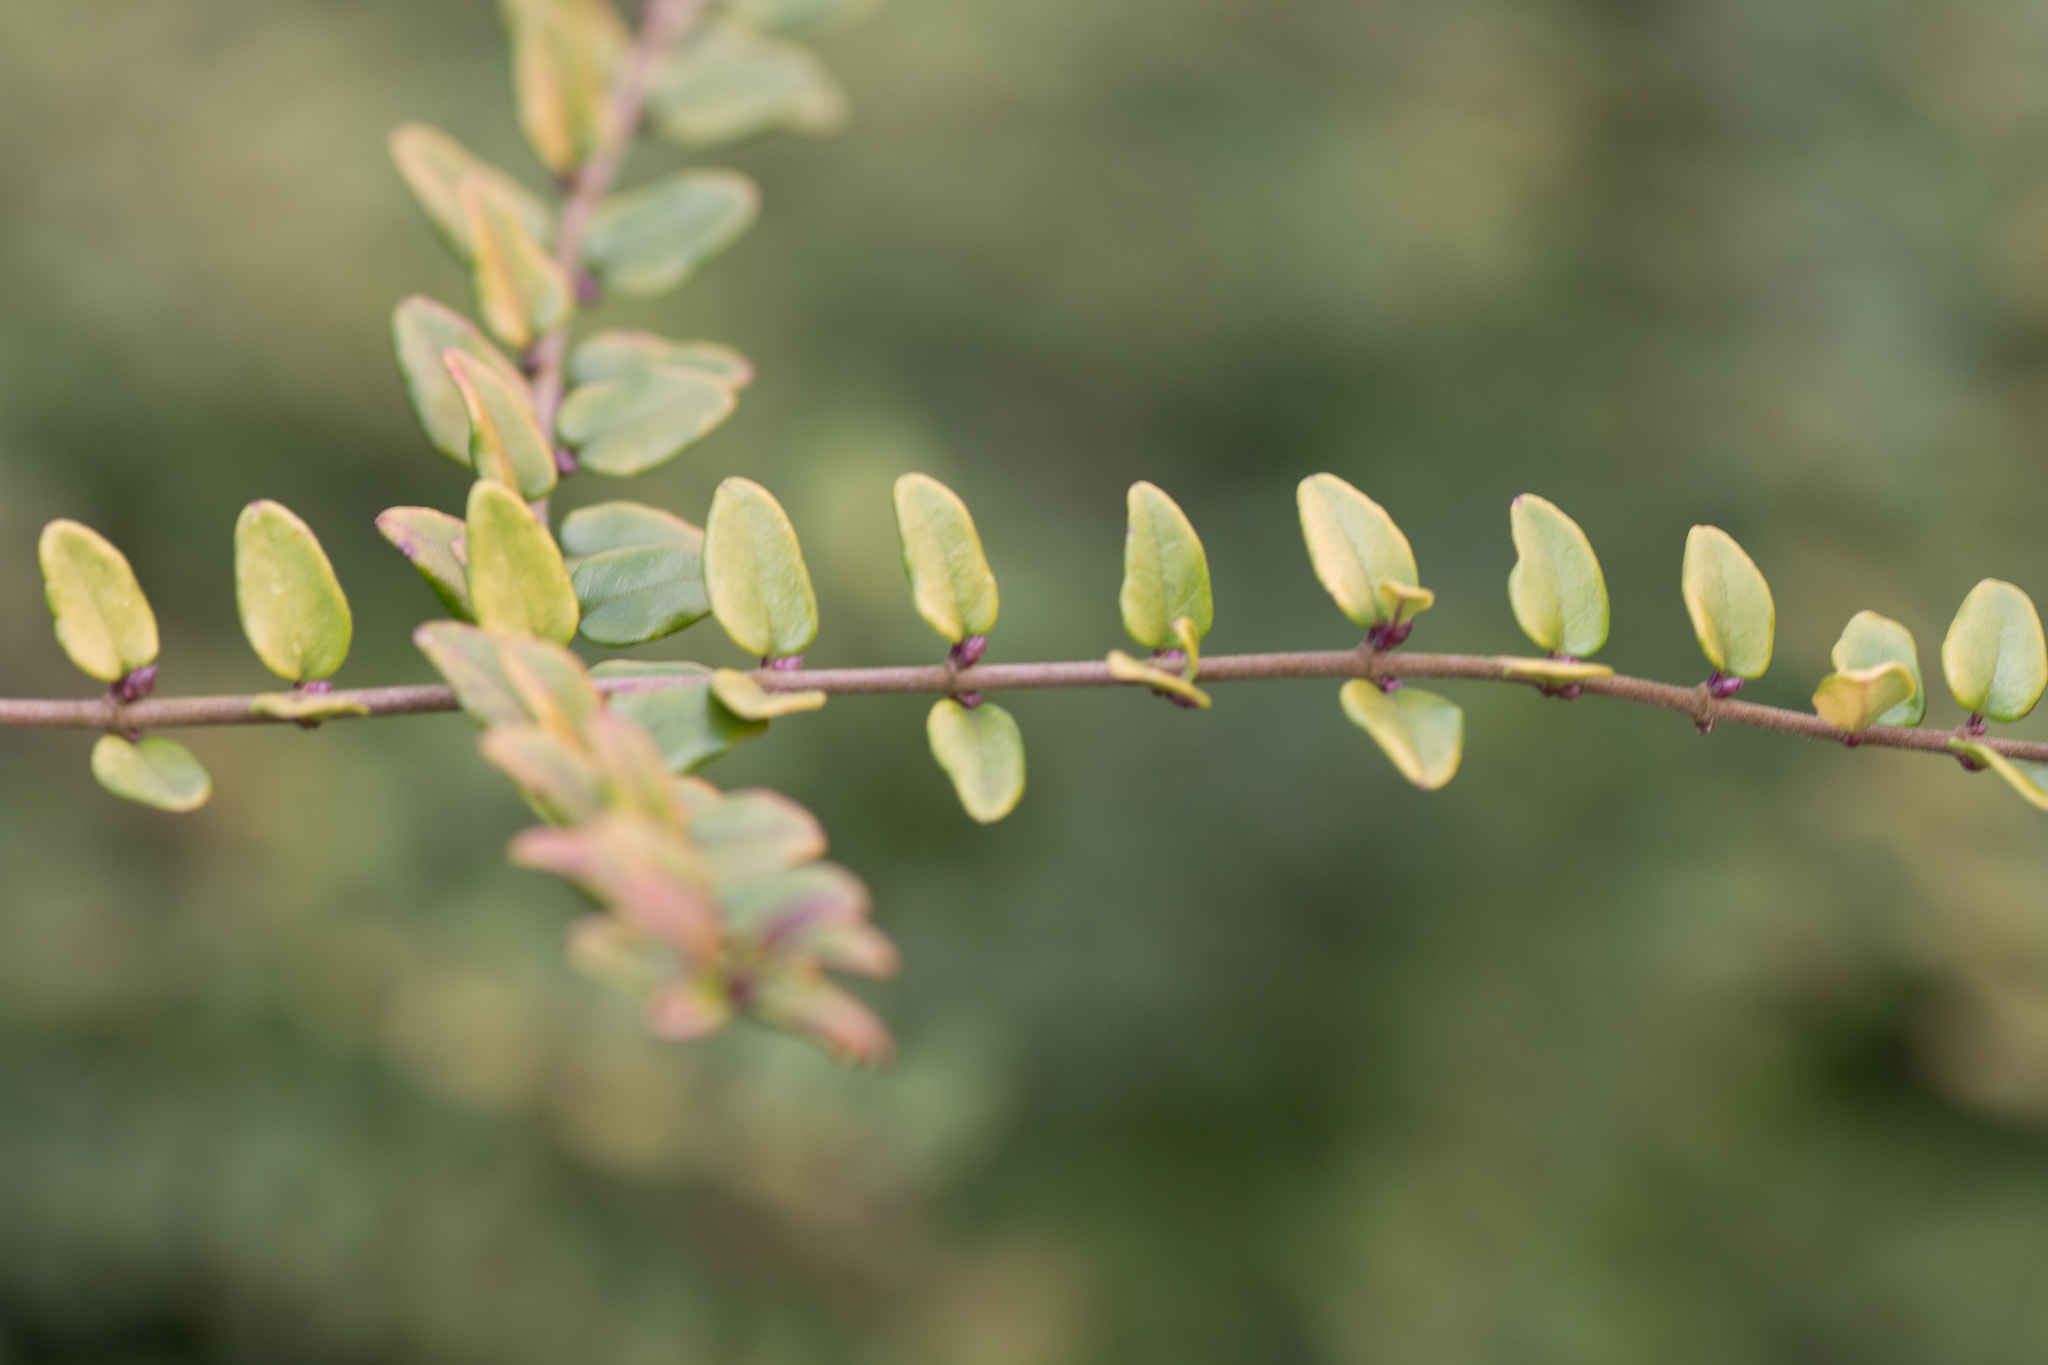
{"points": [[1229, 1048]]}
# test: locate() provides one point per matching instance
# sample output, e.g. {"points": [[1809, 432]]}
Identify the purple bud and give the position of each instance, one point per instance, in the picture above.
{"points": [[970, 700], [1388, 685], [1974, 727], [136, 685], [1172, 660], [968, 652], [788, 663], [565, 463], [587, 290], [1721, 687]]}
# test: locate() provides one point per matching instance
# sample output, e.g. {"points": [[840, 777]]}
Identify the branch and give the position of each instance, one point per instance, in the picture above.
{"points": [[1696, 703]]}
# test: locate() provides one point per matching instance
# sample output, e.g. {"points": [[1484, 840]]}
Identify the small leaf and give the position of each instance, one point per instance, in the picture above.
{"points": [[2027, 779], [293, 610], [1729, 602], [423, 333], [1360, 556], [622, 355], [505, 441], [638, 572], [1423, 734], [308, 708], [648, 241], [156, 772], [983, 752], [517, 581], [434, 165], [434, 542], [1166, 572], [1870, 640], [1552, 670], [725, 82], [521, 291], [1854, 698], [754, 570], [691, 726], [949, 575], [564, 57], [103, 621], [800, 17], [1994, 656], [1124, 668], [742, 695], [623, 427], [510, 680], [1556, 588]]}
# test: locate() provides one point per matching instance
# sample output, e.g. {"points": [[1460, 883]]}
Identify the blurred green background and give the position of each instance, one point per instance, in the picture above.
{"points": [[1229, 1046]]}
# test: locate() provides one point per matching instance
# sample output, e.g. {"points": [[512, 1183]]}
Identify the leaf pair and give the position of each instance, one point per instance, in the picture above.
{"points": [[500, 568], [1876, 679]]}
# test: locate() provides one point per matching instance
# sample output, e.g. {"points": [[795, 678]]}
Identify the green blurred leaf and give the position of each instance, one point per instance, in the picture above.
{"points": [[554, 775], [750, 833], [434, 165], [423, 332], [517, 581], [624, 427], [2030, 780], [565, 54], [1853, 699], [1422, 733], [510, 680], [1124, 668], [505, 442], [1166, 572], [741, 694], [801, 18], [949, 575], [520, 290], [648, 241], [622, 355], [982, 751], [293, 609], [1870, 640], [691, 726], [1729, 602], [754, 570], [308, 708], [434, 542], [725, 82], [638, 572], [103, 621], [1994, 656], [1556, 588], [1360, 556], [156, 772]]}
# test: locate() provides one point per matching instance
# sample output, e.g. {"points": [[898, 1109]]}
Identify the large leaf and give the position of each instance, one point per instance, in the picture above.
{"points": [[565, 54], [691, 726], [434, 542], [1556, 588], [754, 571], [727, 82], [293, 609], [648, 241], [1360, 555], [434, 165], [1871, 641], [517, 581], [950, 580], [1166, 571], [156, 772], [638, 572], [521, 291], [103, 621], [1422, 733], [1994, 656], [623, 427], [1729, 602], [508, 679], [982, 750], [423, 332], [622, 355]]}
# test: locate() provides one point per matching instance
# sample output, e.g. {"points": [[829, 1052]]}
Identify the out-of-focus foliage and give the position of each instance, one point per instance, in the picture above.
{"points": [[1228, 1046]]}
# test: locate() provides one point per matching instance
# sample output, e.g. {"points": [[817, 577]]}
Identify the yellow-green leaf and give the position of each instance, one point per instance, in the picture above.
{"points": [[1166, 572], [1556, 588], [1124, 668], [726, 82], [691, 726], [510, 679], [741, 694], [293, 609], [1552, 670], [517, 581], [1994, 656], [1870, 640], [434, 165], [621, 355], [552, 772], [156, 772], [1422, 733], [505, 441], [627, 426], [521, 291], [754, 570], [1853, 699], [308, 708], [950, 580], [1729, 602], [982, 751], [2027, 779], [423, 332], [103, 621], [565, 54], [648, 241], [434, 542], [1360, 556]]}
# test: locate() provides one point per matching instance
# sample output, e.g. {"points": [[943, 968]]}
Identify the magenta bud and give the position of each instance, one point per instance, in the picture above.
{"points": [[137, 684], [565, 463], [1388, 685], [316, 686], [588, 292], [789, 663], [1721, 687], [968, 652], [970, 700]]}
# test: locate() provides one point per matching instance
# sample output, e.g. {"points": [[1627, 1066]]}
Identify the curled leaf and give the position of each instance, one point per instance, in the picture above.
{"points": [[1729, 602], [950, 581], [1420, 732], [517, 581], [2030, 780], [505, 441], [1994, 656], [982, 750], [648, 241], [726, 82], [155, 772], [1869, 641], [434, 542], [423, 332], [521, 291], [1124, 668], [1166, 574], [1854, 698], [1360, 555], [627, 426], [1552, 670], [103, 621], [1556, 587], [741, 694], [293, 609], [434, 165], [754, 571]]}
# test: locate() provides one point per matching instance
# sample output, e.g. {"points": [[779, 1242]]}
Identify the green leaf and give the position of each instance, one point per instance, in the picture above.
{"points": [[565, 54], [293, 609], [434, 165], [638, 572], [750, 833], [754, 571], [982, 751], [1423, 734], [510, 680], [1166, 572], [1360, 556], [1994, 656], [1124, 668], [648, 241], [1729, 602], [743, 695], [155, 772], [949, 575], [1869, 641], [1854, 698], [434, 542], [2030, 780], [623, 427], [691, 726], [803, 18], [517, 581], [622, 355], [726, 82], [521, 291], [103, 621], [423, 332], [505, 442], [307, 708], [1556, 588], [555, 776]]}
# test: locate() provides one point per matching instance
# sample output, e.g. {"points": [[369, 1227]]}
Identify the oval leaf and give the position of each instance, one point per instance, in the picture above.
{"points": [[293, 610], [1853, 699], [434, 165], [1994, 656], [103, 621], [638, 572], [623, 427], [423, 332], [1422, 733], [674, 702], [1360, 556], [648, 241], [2027, 779], [621, 355], [155, 772], [754, 572], [949, 575], [726, 82], [434, 542], [1166, 572], [505, 441], [1870, 640], [1556, 588], [743, 695], [982, 751], [521, 291], [1729, 602], [517, 581], [565, 54]]}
